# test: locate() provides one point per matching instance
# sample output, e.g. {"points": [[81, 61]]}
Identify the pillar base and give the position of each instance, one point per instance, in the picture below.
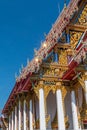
{"points": [[47, 118], [54, 124]]}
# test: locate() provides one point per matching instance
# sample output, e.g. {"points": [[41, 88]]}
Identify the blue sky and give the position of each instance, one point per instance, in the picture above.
{"points": [[22, 27]]}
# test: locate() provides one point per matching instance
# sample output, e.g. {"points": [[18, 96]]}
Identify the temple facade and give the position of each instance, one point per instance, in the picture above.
{"points": [[51, 91]]}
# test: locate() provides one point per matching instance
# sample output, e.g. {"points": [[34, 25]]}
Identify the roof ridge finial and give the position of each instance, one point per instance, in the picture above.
{"points": [[28, 61], [15, 75], [22, 67], [19, 71], [64, 4]]}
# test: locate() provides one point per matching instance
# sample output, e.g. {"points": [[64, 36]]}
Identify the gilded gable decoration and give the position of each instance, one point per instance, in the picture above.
{"points": [[74, 38], [83, 17]]}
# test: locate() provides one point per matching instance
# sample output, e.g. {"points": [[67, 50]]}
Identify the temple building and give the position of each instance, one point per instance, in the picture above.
{"points": [[51, 91]]}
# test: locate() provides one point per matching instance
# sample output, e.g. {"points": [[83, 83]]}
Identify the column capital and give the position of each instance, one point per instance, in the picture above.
{"points": [[84, 75], [62, 88], [45, 88], [38, 87], [82, 80], [48, 88], [74, 86]]}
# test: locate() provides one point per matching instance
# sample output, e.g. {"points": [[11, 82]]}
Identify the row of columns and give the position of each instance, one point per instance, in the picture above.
{"points": [[60, 113], [15, 121]]}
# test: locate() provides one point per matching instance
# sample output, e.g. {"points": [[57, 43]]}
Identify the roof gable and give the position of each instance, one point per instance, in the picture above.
{"points": [[52, 37]]}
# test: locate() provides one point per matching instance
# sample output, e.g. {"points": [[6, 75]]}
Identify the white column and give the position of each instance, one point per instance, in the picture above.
{"points": [[19, 115], [60, 111], [31, 115], [86, 91], [42, 110], [12, 121], [7, 128], [9, 122], [24, 116], [15, 117], [74, 111]]}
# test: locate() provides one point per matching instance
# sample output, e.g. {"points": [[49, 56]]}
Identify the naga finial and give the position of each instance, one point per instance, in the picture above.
{"points": [[28, 61], [45, 34], [15, 75], [19, 71], [22, 66], [64, 4], [35, 52]]}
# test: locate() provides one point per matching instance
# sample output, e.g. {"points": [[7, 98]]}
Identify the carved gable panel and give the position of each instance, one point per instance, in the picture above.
{"points": [[83, 17], [74, 38]]}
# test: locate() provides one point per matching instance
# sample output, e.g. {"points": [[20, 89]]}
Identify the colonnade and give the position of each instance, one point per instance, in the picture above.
{"points": [[15, 118]]}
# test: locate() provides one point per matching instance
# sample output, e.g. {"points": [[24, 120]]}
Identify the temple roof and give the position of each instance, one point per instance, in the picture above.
{"points": [[51, 40]]}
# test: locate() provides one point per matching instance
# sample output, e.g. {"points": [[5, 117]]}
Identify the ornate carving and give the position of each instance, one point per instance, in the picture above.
{"points": [[47, 117], [83, 17], [66, 122], [46, 91], [64, 92], [63, 38], [74, 38], [62, 56], [85, 75], [36, 90], [82, 82], [49, 71], [37, 123], [48, 87], [84, 111], [53, 88], [55, 122], [54, 70]]}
